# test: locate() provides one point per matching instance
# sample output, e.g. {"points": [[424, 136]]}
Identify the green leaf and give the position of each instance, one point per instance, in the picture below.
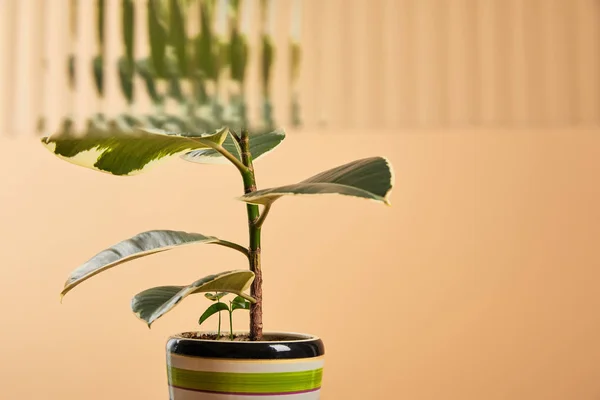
{"points": [[98, 70], [126, 64], [142, 244], [100, 22], [210, 311], [128, 20], [295, 59], [240, 303], [216, 296], [234, 6], [238, 56], [127, 153], [72, 71], [268, 56], [177, 35], [145, 69], [203, 54], [205, 46], [126, 70], [151, 304], [369, 178], [175, 90], [222, 60], [260, 144], [158, 37]]}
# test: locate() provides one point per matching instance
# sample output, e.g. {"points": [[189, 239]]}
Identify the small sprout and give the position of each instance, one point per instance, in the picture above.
{"points": [[215, 308], [239, 303], [216, 296]]}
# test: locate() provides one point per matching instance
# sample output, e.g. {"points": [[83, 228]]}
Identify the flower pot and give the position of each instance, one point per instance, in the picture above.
{"points": [[287, 366]]}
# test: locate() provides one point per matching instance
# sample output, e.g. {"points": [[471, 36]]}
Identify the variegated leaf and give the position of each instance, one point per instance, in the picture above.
{"points": [[369, 178], [140, 245], [153, 303], [260, 144], [128, 153]]}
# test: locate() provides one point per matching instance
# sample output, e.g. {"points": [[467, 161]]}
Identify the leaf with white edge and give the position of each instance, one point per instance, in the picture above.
{"points": [[142, 244], [260, 145], [153, 303], [212, 310], [128, 153], [369, 178]]}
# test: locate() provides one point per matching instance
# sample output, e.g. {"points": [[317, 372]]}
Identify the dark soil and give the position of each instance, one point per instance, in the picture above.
{"points": [[237, 337]]}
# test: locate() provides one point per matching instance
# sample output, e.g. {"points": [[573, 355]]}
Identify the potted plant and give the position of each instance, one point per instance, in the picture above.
{"points": [[208, 365]]}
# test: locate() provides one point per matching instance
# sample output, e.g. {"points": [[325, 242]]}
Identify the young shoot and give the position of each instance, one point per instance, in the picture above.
{"points": [[239, 303]]}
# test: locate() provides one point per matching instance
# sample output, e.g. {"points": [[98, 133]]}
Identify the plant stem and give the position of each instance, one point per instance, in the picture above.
{"points": [[230, 321], [263, 215], [219, 330], [241, 167], [234, 246], [256, 324]]}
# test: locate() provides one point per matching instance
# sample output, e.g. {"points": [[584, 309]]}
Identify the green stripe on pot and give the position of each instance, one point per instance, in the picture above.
{"points": [[250, 383]]}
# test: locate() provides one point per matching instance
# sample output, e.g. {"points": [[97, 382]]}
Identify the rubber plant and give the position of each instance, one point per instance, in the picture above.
{"points": [[129, 153]]}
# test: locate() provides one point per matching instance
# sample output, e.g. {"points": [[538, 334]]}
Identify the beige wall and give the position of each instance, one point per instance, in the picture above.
{"points": [[367, 64], [480, 282]]}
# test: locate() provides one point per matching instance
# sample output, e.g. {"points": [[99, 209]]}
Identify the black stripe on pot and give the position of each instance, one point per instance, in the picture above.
{"points": [[291, 346]]}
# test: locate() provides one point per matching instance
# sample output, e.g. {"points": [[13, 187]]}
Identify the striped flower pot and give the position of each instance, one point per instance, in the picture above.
{"points": [[286, 366]]}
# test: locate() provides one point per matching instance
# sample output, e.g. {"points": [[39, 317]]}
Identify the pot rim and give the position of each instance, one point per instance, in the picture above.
{"points": [[294, 337]]}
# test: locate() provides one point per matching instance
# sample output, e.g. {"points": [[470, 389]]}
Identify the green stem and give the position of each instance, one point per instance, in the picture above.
{"points": [[230, 321], [263, 215], [256, 324], [241, 167], [219, 329]]}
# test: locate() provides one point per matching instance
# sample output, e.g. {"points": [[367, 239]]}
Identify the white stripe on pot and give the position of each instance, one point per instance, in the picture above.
{"points": [[229, 365], [182, 394]]}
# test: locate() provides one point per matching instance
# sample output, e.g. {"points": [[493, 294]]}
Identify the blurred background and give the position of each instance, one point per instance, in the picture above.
{"points": [[384, 64], [480, 282]]}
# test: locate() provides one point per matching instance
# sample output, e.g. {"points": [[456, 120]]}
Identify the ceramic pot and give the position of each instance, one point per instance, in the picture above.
{"points": [[285, 366]]}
